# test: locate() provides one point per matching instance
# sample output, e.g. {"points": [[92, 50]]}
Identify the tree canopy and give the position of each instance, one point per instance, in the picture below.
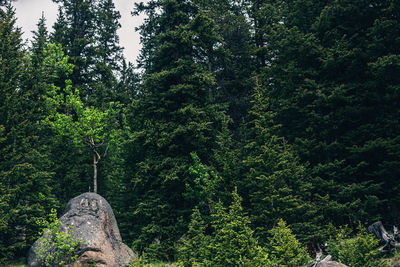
{"points": [[245, 130]]}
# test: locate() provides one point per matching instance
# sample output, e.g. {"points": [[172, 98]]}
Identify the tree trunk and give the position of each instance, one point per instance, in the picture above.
{"points": [[95, 173]]}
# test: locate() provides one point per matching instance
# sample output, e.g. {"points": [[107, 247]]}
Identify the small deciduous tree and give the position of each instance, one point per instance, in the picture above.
{"points": [[82, 124], [204, 185]]}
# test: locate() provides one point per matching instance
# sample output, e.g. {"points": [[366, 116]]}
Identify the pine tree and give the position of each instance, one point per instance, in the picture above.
{"points": [[194, 250], [234, 243], [87, 30], [230, 242], [333, 102], [25, 170], [172, 117], [108, 50], [283, 247], [127, 85], [59, 28], [109, 56], [232, 62], [75, 30], [11, 66], [227, 158], [275, 184], [40, 39]]}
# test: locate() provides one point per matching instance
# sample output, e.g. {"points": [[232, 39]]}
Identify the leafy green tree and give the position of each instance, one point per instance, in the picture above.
{"points": [[87, 30], [204, 188], [81, 123], [283, 247]]}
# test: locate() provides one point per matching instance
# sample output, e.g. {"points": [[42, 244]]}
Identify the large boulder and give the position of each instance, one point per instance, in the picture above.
{"points": [[94, 223]]}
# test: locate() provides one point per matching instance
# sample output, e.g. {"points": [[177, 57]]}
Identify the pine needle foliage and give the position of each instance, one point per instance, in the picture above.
{"points": [[231, 242], [284, 248], [355, 251]]}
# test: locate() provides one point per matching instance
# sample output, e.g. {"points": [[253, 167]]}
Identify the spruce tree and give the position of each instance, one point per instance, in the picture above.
{"points": [[195, 248], [335, 104], [108, 53], [26, 177], [107, 41], [172, 117], [232, 62], [224, 240], [40, 39], [59, 27], [275, 184], [75, 30], [87, 30], [234, 242], [283, 247]]}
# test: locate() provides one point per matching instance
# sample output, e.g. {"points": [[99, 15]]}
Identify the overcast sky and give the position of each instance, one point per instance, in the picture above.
{"points": [[29, 12]]}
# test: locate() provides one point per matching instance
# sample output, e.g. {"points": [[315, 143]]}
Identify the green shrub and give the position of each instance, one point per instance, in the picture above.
{"points": [[359, 251], [284, 248], [56, 247]]}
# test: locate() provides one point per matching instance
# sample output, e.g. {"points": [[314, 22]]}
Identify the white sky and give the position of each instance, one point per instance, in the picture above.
{"points": [[29, 12]]}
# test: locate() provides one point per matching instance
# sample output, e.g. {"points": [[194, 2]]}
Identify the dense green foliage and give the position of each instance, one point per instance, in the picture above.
{"points": [[284, 248], [26, 176], [294, 103], [57, 246], [355, 252], [231, 243]]}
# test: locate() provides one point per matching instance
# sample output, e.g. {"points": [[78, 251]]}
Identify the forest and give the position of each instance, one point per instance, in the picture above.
{"points": [[246, 120]]}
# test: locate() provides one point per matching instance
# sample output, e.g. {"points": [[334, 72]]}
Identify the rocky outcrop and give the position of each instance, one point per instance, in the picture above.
{"points": [[328, 262], [94, 223], [325, 261]]}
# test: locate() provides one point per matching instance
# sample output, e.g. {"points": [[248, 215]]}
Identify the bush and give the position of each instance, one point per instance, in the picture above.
{"points": [[56, 247], [359, 251]]}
